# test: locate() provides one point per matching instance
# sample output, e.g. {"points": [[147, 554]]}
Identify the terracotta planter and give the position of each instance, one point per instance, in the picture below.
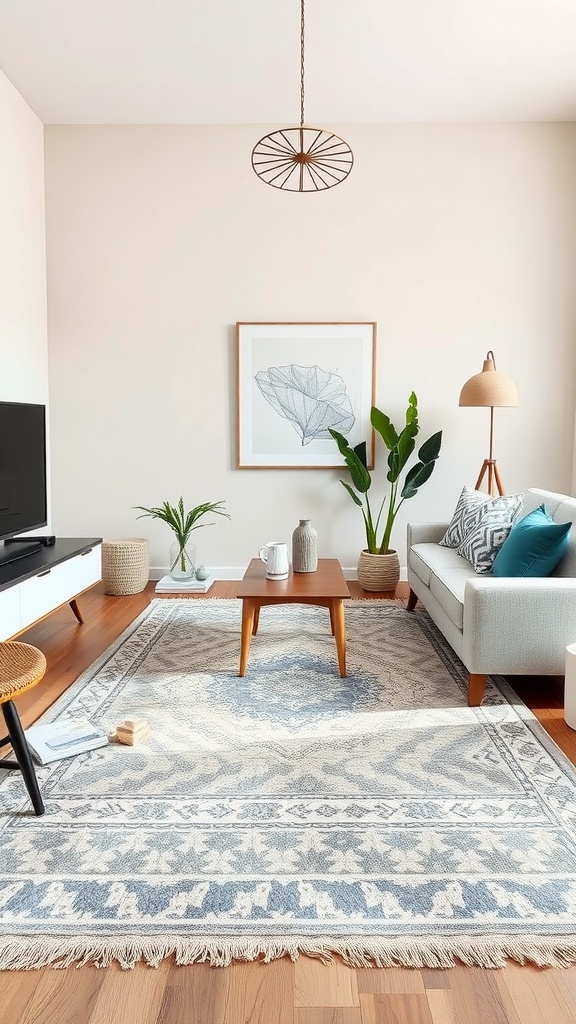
{"points": [[378, 572]]}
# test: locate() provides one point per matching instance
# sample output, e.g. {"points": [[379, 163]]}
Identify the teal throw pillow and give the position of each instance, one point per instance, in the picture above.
{"points": [[533, 547]]}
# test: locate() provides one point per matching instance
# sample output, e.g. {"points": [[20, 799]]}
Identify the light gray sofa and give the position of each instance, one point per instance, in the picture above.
{"points": [[496, 625]]}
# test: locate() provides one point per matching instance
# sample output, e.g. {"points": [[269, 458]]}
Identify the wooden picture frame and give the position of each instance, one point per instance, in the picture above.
{"points": [[294, 380]]}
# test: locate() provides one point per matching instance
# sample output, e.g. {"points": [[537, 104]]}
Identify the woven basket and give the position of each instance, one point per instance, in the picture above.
{"points": [[378, 572], [125, 565]]}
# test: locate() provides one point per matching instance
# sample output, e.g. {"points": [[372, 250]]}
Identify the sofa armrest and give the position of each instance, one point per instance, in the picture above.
{"points": [[426, 533], [518, 625]]}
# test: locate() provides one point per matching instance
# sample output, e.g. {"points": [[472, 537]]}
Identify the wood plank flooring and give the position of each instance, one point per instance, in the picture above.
{"points": [[282, 992]]}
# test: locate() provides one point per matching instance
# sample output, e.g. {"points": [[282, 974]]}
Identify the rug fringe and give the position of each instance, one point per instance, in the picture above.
{"points": [[26, 953]]}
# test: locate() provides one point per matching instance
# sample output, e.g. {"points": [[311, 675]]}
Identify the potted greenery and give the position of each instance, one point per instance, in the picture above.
{"points": [[182, 523], [378, 566]]}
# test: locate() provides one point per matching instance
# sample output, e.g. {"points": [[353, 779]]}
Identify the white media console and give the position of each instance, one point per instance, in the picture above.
{"points": [[36, 584]]}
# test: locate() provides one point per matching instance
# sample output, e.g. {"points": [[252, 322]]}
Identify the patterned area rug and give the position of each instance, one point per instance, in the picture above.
{"points": [[292, 811]]}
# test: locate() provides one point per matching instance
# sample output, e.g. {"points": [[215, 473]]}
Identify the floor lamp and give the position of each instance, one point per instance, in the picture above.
{"points": [[492, 390]]}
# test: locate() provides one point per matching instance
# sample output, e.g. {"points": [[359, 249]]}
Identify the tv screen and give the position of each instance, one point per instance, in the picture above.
{"points": [[22, 468]]}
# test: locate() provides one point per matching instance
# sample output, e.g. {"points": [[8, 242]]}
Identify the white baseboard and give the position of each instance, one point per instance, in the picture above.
{"points": [[219, 572], [236, 572]]}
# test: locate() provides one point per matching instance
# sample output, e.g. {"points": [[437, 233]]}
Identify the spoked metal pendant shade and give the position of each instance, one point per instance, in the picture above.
{"points": [[303, 159]]}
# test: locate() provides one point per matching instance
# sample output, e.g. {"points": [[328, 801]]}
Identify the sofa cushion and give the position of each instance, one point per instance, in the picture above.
{"points": [[448, 590], [533, 547], [471, 507], [418, 562], [445, 573]]}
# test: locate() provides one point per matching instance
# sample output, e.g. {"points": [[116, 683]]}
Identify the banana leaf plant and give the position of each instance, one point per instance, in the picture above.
{"points": [[400, 447]]}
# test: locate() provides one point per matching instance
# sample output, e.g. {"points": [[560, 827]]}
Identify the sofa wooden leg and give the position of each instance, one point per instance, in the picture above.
{"points": [[476, 687], [412, 599]]}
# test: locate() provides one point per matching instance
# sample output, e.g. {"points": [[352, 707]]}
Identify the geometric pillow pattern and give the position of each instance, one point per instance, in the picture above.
{"points": [[483, 543], [471, 507], [464, 517], [494, 520]]}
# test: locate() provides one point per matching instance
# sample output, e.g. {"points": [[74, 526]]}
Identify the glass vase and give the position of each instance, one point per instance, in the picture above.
{"points": [[182, 560]]}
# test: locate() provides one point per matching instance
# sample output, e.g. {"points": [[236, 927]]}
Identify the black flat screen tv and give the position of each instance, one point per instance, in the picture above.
{"points": [[23, 501]]}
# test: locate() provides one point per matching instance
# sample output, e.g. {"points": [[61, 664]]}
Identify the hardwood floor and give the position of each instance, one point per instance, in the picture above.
{"points": [[282, 992]]}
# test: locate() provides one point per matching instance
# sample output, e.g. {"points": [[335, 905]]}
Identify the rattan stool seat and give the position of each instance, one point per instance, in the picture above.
{"points": [[21, 667]]}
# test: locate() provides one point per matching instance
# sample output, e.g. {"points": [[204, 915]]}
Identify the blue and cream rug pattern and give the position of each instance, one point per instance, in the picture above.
{"points": [[292, 811]]}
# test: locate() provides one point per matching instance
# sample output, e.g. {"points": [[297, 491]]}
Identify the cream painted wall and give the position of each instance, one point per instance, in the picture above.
{"points": [[456, 239], [23, 325], [23, 334]]}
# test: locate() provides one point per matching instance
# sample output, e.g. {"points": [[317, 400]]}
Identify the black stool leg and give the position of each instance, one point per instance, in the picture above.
{"points": [[23, 755]]}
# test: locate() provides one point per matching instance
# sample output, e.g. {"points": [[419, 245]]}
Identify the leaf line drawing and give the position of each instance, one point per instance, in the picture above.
{"points": [[310, 398]]}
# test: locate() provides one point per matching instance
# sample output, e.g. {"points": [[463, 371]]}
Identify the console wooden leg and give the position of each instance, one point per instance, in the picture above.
{"points": [[412, 600], [339, 624], [476, 687], [76, 610], [248, 614], [256, 620]]}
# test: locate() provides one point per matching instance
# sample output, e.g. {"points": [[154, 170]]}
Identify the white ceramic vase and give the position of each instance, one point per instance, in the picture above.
{"points": [[304, 547]]}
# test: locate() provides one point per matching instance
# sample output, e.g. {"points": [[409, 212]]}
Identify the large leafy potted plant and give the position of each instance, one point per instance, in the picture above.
{"points": [[182, 523], [378, 566]]}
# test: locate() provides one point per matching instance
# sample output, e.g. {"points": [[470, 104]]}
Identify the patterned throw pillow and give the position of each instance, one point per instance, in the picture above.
{"points": [[465, 515], [494, 520]]}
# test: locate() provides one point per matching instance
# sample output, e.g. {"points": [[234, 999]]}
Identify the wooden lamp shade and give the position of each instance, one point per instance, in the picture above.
{"points": [[491, 390]]}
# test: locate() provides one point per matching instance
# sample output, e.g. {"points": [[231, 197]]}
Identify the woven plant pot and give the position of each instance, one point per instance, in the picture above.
{"points": [[378, 572], [125, 565]]}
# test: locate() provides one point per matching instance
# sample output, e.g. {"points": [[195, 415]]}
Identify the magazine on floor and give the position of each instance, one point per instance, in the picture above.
{"points": [[167, 585], [63, 738]]}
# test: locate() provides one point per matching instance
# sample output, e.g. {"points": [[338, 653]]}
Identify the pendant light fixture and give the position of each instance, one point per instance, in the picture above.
{"points": [[302, 159]]}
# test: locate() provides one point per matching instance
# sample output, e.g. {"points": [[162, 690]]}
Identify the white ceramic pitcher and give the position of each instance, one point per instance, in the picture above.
{"points": [[275, 554]]}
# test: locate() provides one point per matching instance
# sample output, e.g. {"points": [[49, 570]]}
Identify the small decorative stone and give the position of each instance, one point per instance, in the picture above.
{"points": [[202, 572], [304, 548]]}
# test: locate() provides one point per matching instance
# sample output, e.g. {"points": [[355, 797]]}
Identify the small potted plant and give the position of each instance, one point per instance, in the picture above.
{"points": [[182, 523], [378, 565]]}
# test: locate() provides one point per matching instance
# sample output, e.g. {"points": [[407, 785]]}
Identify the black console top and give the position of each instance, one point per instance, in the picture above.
{"points": [[30, 565]]}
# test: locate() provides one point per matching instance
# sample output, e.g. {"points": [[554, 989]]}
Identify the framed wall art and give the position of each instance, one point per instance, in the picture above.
{"points": [[295, 381]]}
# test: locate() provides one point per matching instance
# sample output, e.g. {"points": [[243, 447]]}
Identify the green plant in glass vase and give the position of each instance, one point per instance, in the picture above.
{"points": [[182, 523], [400, 445]]}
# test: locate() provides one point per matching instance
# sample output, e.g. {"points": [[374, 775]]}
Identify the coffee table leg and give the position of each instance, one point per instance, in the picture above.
{"points": [[249, 610], [339, 628]]}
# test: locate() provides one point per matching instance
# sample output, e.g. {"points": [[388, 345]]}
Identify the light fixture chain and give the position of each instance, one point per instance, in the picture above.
{"points": [[302, 159], [301, 63]]}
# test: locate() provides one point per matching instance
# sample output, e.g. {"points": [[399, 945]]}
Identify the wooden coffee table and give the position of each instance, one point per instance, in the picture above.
{"points": [[326, 587]]}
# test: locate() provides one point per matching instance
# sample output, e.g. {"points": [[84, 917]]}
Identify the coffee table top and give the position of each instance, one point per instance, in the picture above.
{"points": [[327, 581]]}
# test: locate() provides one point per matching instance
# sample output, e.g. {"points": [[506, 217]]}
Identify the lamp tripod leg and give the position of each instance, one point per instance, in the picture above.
{"points": [[495, 485], [498, 479], [481, 475]]}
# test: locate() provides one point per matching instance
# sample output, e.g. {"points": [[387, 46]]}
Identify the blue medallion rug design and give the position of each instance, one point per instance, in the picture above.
{"points": [[377, 817]]}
